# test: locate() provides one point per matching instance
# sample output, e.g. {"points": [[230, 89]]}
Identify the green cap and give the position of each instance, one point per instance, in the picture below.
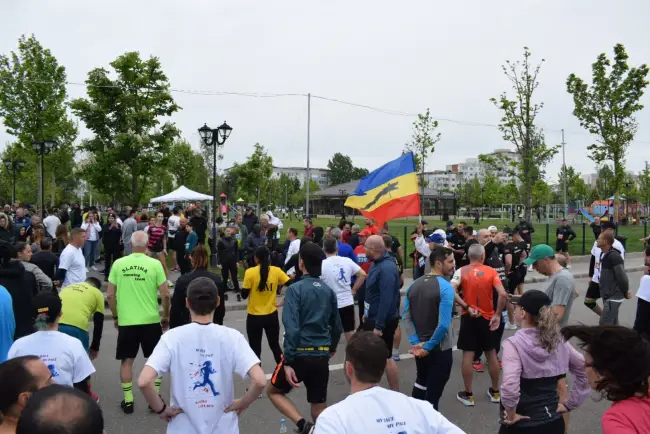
{"points": [[538, 252]]}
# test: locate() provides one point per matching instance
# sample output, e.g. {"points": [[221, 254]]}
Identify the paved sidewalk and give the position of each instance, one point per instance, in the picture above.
{"points": [[580, 269]]}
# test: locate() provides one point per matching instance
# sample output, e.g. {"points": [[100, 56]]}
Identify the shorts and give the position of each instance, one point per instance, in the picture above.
{"points": [[347, 318], [388, 333], [154, 253], [516, 278], [313, 371], [77, 333], [475, 334], [131, 338], [593, 291], [609, 316], [561, 246]]}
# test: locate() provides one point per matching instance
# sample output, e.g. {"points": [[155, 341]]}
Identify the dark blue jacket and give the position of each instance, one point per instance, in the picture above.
{"points": [[382, 291], [346, 251], [312, 326]]}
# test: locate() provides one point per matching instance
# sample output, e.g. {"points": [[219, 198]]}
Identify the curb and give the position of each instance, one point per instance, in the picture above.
{"points": [[242, 306]]}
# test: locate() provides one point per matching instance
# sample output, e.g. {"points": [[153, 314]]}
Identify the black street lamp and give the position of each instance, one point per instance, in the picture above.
{"points": [[14, 167], [43, 148], [214, 138]]}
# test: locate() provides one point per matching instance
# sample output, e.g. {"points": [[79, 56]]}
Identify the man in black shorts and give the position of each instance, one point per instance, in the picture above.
{"points": [[134, 283], [564, 235], [381, 306], [312, 329], [514, 255]]}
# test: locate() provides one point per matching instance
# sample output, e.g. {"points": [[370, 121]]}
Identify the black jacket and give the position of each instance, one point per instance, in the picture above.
{"points": [[250, 221], [179, 314], [228, 250], [112, 238], [47, 261], [75, 217], [200, 226], [22, 287], [6, 235]]}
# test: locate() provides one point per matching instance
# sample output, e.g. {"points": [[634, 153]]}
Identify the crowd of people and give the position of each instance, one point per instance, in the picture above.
{"points": [[317, 279]]}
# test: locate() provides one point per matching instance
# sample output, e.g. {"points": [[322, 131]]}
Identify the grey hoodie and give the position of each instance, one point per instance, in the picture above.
{"points": [[614, 283]]}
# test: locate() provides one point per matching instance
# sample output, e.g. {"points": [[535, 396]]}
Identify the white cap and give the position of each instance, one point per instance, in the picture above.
{"points": [[474, 233], [492, 228]]}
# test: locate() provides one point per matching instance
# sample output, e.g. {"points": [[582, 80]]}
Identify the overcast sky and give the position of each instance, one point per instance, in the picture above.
{"points": [[402, 56]]}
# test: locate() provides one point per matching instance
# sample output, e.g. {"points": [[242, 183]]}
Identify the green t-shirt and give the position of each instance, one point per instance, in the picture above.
{"points": [[137, 278], [79, 303]]}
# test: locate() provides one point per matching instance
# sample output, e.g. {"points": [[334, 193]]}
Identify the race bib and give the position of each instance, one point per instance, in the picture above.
{"points": [[421, 262], [559, 237]]}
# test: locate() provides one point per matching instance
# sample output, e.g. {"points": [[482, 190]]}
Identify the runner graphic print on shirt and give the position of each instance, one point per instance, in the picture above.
{"points": [[204, 372]]}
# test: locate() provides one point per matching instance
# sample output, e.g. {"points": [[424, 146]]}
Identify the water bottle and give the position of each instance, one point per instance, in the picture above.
{"points": [[283, 426]]}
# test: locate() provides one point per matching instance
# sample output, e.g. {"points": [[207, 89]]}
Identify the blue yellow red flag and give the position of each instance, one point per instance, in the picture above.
{"points": [[388, 192]]}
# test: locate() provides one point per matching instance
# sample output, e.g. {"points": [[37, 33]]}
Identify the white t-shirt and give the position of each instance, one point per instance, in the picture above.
{"points": [[201, 360], [173, 224], [337, 273], [64, 355], [51, 222], [644, 289], [72, 260], [92, 230], [381, 411], [596, 252]]}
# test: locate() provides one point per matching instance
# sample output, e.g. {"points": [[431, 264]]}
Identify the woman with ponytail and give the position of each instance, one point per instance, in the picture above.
{"points": [[64, 355], [263, 283], [534, 359]]}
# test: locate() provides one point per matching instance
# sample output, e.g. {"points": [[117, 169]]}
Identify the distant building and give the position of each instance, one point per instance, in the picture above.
{"points": [[472, 167], [442, 180], [590, 179], [321, 176]]}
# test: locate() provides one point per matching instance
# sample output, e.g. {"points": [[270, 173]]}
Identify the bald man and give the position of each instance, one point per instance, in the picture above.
{"points": [[381, 305]]}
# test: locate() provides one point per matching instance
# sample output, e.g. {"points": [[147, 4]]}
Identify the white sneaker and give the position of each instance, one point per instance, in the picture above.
{"points": [[511, 326], [530, 268], [170, 284]]}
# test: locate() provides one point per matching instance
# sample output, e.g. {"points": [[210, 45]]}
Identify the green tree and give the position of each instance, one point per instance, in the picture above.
{"points": [[606, 109], [342, 170], [644, 186], [423, 144], [542, 193], [254, 175], [518, 127], [576, 187], [493, 191], [300, 195], [125, 115], [33, 107], [188, 167]]}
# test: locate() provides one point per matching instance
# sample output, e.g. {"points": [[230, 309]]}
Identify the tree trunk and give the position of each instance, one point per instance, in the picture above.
{"points": [[134, 186], [53, 196]]}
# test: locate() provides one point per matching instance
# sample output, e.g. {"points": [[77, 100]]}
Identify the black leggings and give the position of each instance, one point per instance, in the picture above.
{"points": [[433, 372], [555, 427], [110, 256], [256, 325], [230, 268]]}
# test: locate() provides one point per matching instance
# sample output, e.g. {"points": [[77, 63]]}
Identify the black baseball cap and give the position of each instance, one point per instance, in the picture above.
{"points": [[608, 225], [531, 301], [47, 303], [202, 289]]}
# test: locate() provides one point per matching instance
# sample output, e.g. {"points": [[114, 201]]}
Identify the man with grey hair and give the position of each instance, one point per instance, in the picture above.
{"points": [[479, 320], [382, 299], [344, 250], [354, 236], [133, 287]]}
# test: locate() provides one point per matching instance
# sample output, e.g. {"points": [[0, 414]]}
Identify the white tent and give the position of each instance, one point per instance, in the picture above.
{"points": [[182, 193]]}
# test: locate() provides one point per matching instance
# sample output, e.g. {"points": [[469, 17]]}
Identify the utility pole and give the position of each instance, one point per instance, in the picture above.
{"points": [[565, 176], [308, 178]]}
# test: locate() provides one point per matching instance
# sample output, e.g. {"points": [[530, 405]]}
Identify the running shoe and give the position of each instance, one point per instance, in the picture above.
{"points": [[170, 283], [494, 395], [478, 366], [127, 407], [94, 268], [396, 355], [500, 363], [94, 396], [175, 269], [467, 399], [511, 326]]}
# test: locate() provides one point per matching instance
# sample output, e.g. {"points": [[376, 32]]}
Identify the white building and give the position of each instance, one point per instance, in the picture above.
{"points": [[472, 167], [442, 180], [321, 176], [590, 179]]}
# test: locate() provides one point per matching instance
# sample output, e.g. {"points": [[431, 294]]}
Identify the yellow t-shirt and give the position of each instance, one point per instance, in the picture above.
{"points": [[262, 302], [79, 303]]}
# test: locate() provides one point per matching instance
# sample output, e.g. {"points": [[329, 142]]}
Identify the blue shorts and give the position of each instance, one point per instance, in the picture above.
{"points": [[76, 332]]}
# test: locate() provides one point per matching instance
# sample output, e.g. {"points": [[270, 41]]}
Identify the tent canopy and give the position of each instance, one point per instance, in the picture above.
{"points": [[180, 194]]}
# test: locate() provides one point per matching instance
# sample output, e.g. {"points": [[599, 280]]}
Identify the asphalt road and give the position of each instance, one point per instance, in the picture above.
{"points": [[263, 417]]}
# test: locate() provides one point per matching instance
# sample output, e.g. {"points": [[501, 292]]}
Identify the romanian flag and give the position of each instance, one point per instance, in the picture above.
{"points": [[388, 192]]}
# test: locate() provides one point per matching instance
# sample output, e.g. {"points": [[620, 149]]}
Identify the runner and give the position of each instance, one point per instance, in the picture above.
{"points": [[191, 241], [312, 332], [47, 261], [20, 378], [564, 234], [534, 358], [157, 247], [593, 291], [63, 355], [428, 305], [514, 255], [133, 287], [294, 246], [397, 340], [614, 284], [370, 225], [178, 313], [344, 249], [173, 225], [178, 245], [525, 229], [381, 303], [263, 283], [337, 273], [80, 303], [457, 242], [372, 409], [201, 357], [479, 320], [228, 254]]}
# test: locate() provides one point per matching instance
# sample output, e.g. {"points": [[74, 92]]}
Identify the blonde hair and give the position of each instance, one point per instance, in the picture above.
{"points": [[549, 329]]}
